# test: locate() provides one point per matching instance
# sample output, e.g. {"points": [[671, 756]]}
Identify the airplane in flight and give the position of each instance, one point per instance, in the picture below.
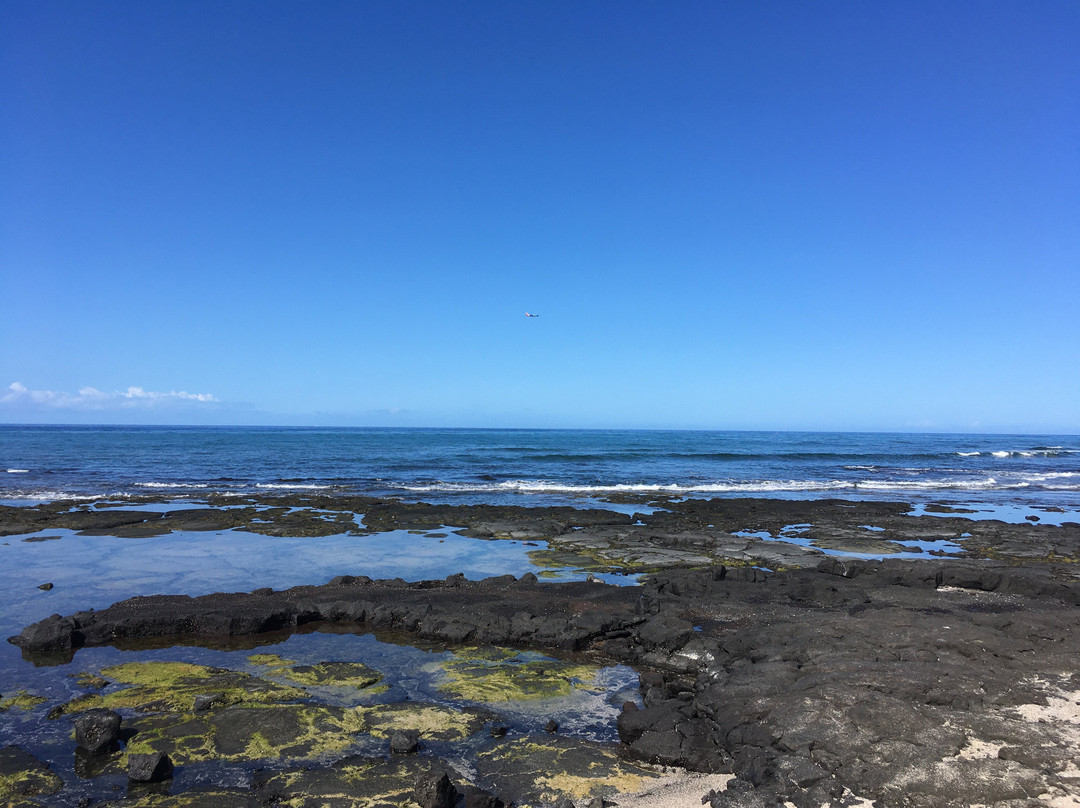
{"points": [[531, 315]]}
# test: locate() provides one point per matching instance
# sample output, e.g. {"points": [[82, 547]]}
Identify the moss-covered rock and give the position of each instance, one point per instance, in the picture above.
{"points": [[21, 700], [22, 775], [545, 769], [174, 686], [246, 733], [324, 674], [90, 681], [270, 660], [196, 798], [494, 675], [433, 721], [351, 783]]}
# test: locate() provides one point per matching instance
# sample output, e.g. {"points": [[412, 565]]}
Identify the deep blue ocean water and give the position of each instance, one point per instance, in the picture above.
{"points": [[536, 466]]}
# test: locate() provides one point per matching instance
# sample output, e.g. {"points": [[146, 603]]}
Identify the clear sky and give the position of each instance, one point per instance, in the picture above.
{"points": [[782, 215]]}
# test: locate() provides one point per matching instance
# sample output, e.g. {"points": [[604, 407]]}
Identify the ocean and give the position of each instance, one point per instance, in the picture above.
{"points": [[541, 467]]}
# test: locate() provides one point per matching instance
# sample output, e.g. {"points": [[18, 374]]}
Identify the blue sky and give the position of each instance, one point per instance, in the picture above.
{"points": [[779, 215]]}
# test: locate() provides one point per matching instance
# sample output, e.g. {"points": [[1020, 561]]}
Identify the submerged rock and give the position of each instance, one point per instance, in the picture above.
{"points": [[22, 775], [545, 769], [354, 782], [325, 674], [177, 686], [22, 700], [494, 675]]}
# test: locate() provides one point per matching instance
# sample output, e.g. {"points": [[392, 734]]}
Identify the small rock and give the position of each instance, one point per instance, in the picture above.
{"points": [[595, 802], [45, 587], [206, 701], [434, 790], [552, 726], [404, 742], [478, 798], [152, 767], [498, 731], [97, 730]]}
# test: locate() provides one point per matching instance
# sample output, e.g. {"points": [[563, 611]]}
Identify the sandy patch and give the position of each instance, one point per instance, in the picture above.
{"points": [[679, 790]]}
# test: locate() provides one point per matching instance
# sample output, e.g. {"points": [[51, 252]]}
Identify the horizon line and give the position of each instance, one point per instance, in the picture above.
{"points": [[1003, 433]]}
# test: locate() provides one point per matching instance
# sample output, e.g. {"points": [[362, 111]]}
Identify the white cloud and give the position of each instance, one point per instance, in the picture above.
{"points": [[90, 398]]}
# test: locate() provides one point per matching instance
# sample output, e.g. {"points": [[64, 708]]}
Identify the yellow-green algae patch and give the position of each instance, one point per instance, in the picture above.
{"points": [[22, 700], [22, 775], [90, 681], [289, 731], [433, 721], [270, 660], [494, 675], [196, 798], [537, 769], [351, 783], [173, 686], [246, 733], [353, 675]]}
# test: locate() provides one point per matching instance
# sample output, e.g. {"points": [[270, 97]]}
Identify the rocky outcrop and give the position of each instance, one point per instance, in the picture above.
{"points": [[857, 678]]}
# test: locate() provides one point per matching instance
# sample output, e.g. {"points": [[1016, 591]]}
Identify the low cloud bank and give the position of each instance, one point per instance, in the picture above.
{"points": [[90, 398]]}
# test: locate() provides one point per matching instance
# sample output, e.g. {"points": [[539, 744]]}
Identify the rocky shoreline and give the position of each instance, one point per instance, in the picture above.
{"points": [[813, 679]]}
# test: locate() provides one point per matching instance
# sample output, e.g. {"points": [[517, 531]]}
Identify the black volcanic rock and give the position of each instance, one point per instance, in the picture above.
{"points": [[97, 730]]}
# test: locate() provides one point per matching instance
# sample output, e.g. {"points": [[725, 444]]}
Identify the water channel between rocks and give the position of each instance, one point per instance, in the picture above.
{"points": [[454, 696]]}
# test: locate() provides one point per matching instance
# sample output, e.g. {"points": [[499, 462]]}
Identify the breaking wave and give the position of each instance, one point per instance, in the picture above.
{"points": [[735, 487]]}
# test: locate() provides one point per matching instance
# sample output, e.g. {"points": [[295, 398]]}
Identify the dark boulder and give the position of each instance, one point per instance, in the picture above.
{"points": [[151, 767], [97, 731], [478, 798], [434, 790]]}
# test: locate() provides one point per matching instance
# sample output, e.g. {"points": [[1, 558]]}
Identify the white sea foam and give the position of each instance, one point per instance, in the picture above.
{"points": [[292, 486], [1046, 451], [547, 487], [50, 496], [1050, 481], [18, 471], [969, 454], [171, 485]]}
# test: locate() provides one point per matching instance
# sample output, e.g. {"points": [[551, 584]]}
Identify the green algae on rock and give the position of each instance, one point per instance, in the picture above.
{"points": [[289, 731], [195, 798], [89, 681], [22, 776], [433, 721], [243, 734], [174, 686], [547, 769], [351, 783], [494, 675], [324, 674], [22, 700], [270, 660]]}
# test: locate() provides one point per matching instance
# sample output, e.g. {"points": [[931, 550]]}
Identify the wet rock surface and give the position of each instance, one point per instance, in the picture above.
{"points": [[23, 776], [97, 730], [819, 681]]}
